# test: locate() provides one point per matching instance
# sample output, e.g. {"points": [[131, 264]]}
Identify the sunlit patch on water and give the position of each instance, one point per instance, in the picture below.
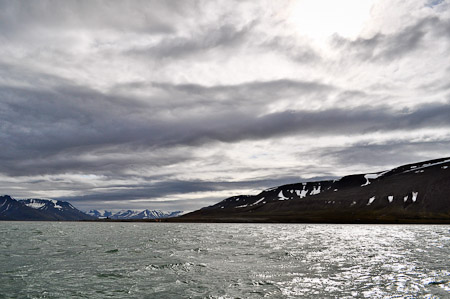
{"points": [[99, 260]]}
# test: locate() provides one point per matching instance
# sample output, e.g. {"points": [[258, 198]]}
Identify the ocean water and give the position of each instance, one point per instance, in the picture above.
{"points": [[173, 260]]}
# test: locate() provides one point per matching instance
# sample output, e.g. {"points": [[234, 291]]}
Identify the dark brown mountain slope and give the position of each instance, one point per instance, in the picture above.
{"points": [[413, 193]]}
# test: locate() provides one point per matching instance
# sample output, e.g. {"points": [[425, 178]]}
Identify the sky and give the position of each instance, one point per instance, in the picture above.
{"points": [[176, 105]]}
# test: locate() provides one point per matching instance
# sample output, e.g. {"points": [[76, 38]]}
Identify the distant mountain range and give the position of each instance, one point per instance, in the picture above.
{"points": [[413, 193], [133, 214], [50, 210]]}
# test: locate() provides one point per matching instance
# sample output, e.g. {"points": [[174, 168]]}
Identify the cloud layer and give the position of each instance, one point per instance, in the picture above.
{"points": [[176, 104]]}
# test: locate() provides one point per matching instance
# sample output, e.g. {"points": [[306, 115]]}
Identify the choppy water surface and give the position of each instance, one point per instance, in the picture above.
{"points": [[163, 260]]}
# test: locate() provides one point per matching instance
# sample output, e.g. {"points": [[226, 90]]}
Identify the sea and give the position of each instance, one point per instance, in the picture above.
{"points": [[192, 260]]}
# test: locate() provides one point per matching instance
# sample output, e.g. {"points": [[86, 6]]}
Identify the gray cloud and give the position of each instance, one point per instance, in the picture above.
{"points": [[224, 36], [141, 16], [381, 157], [49, 131], [387, 47], [298, 52]]}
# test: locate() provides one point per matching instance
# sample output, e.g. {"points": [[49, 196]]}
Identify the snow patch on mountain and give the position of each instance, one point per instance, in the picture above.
{"points": [[372, 176], [258, 201], [243, 206], [35, 205], [281, 196], [315, 190], [55, 204], [42, 204], [425, 165], [414, 196]]}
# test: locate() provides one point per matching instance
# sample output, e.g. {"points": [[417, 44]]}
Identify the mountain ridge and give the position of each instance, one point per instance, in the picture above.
{"points": [[35, 209], [133, 214], [415, 192]]}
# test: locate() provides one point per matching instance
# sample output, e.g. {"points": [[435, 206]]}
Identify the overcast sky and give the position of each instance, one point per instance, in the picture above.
{"points": [[175, 105]]}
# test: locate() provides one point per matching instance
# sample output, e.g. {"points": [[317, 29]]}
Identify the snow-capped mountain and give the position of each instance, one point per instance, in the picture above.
{"points": [[60, 210], [133, 214], [410, 193], [38, 209], [11, 209]]}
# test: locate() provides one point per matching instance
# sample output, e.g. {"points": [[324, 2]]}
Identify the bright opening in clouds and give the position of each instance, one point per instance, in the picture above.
{"points": [[176, 105], [319, 20]]}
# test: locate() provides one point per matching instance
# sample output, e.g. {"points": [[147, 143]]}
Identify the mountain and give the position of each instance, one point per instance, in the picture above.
{"points": [[413, 193], [57, 209], [133, 214], [11, 209], [39, 209]]}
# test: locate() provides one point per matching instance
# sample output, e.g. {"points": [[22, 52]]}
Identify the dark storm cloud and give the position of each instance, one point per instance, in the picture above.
{"points": [[354, 121], [49, 130], [78, 118], [387, 47]]}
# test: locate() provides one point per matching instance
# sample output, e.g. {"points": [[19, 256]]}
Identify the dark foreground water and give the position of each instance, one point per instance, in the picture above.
{"points": [[163, 260]]}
